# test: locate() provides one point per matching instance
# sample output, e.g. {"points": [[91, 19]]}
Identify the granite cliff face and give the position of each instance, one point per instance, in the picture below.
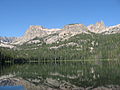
{"points": [[99, 27], [35, 31], [54, 35]]}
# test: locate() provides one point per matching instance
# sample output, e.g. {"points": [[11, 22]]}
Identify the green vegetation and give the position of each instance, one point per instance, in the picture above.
{"points": [[84, 46]]}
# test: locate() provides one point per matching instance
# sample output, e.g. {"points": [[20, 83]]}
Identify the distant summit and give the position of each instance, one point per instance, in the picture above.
{"points": [[98, 27], [53, 35]]}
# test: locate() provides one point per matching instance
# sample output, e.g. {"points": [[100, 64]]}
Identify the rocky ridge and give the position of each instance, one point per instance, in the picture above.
{"points": [[55, 35]]}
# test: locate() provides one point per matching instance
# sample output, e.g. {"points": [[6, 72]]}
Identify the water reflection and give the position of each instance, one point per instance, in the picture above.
{"points": [[69, 75]]}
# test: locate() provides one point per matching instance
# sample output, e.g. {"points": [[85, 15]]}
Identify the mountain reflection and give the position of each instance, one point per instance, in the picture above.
{"points": [[80, 74]]}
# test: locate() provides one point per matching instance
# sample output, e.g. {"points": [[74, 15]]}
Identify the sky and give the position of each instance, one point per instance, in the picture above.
{"points": [[17, 15]]}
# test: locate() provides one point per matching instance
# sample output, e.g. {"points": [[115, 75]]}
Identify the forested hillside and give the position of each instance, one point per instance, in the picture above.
{"points": [[78, 47]]}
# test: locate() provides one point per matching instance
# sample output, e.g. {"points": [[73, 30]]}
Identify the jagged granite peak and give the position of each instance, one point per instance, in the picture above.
{"points": [[35, 31], [31, 33], [66, 32], [53, 35], [99, 27], [101, 23]]}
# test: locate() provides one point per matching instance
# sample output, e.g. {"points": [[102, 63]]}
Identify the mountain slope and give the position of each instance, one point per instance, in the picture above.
{"points": [[73, 42], [78, 47], [54, 35]]}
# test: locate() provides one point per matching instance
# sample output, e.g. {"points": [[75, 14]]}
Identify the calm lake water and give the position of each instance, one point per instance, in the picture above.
{"points": [[78, 75]]}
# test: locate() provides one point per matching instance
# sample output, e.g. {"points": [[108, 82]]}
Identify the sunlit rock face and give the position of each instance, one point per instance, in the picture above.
{"points": [[41, 32], [32, 32], [35, 31], [73, 29], [53, 35], [99, 27]]}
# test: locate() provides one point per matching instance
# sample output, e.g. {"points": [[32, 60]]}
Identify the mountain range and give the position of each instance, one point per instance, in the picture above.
{"points": [[50, 36], [72, 42]]}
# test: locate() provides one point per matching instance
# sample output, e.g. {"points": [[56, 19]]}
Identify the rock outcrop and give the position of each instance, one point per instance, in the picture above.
{"points": [[53, 35], [33, 32], [99, 27]]}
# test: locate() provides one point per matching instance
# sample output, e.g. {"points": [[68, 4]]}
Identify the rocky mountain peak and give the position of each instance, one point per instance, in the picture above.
{"points": [[34, 30], [98, 27], [53, 35], [101, 23]]}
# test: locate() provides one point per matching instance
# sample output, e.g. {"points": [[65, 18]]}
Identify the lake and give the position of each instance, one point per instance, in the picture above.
{"points": [[63, 75]]}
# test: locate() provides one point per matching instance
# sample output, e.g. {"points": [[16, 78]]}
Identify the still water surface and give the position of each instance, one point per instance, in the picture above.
{"points": [[79, 75]]}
